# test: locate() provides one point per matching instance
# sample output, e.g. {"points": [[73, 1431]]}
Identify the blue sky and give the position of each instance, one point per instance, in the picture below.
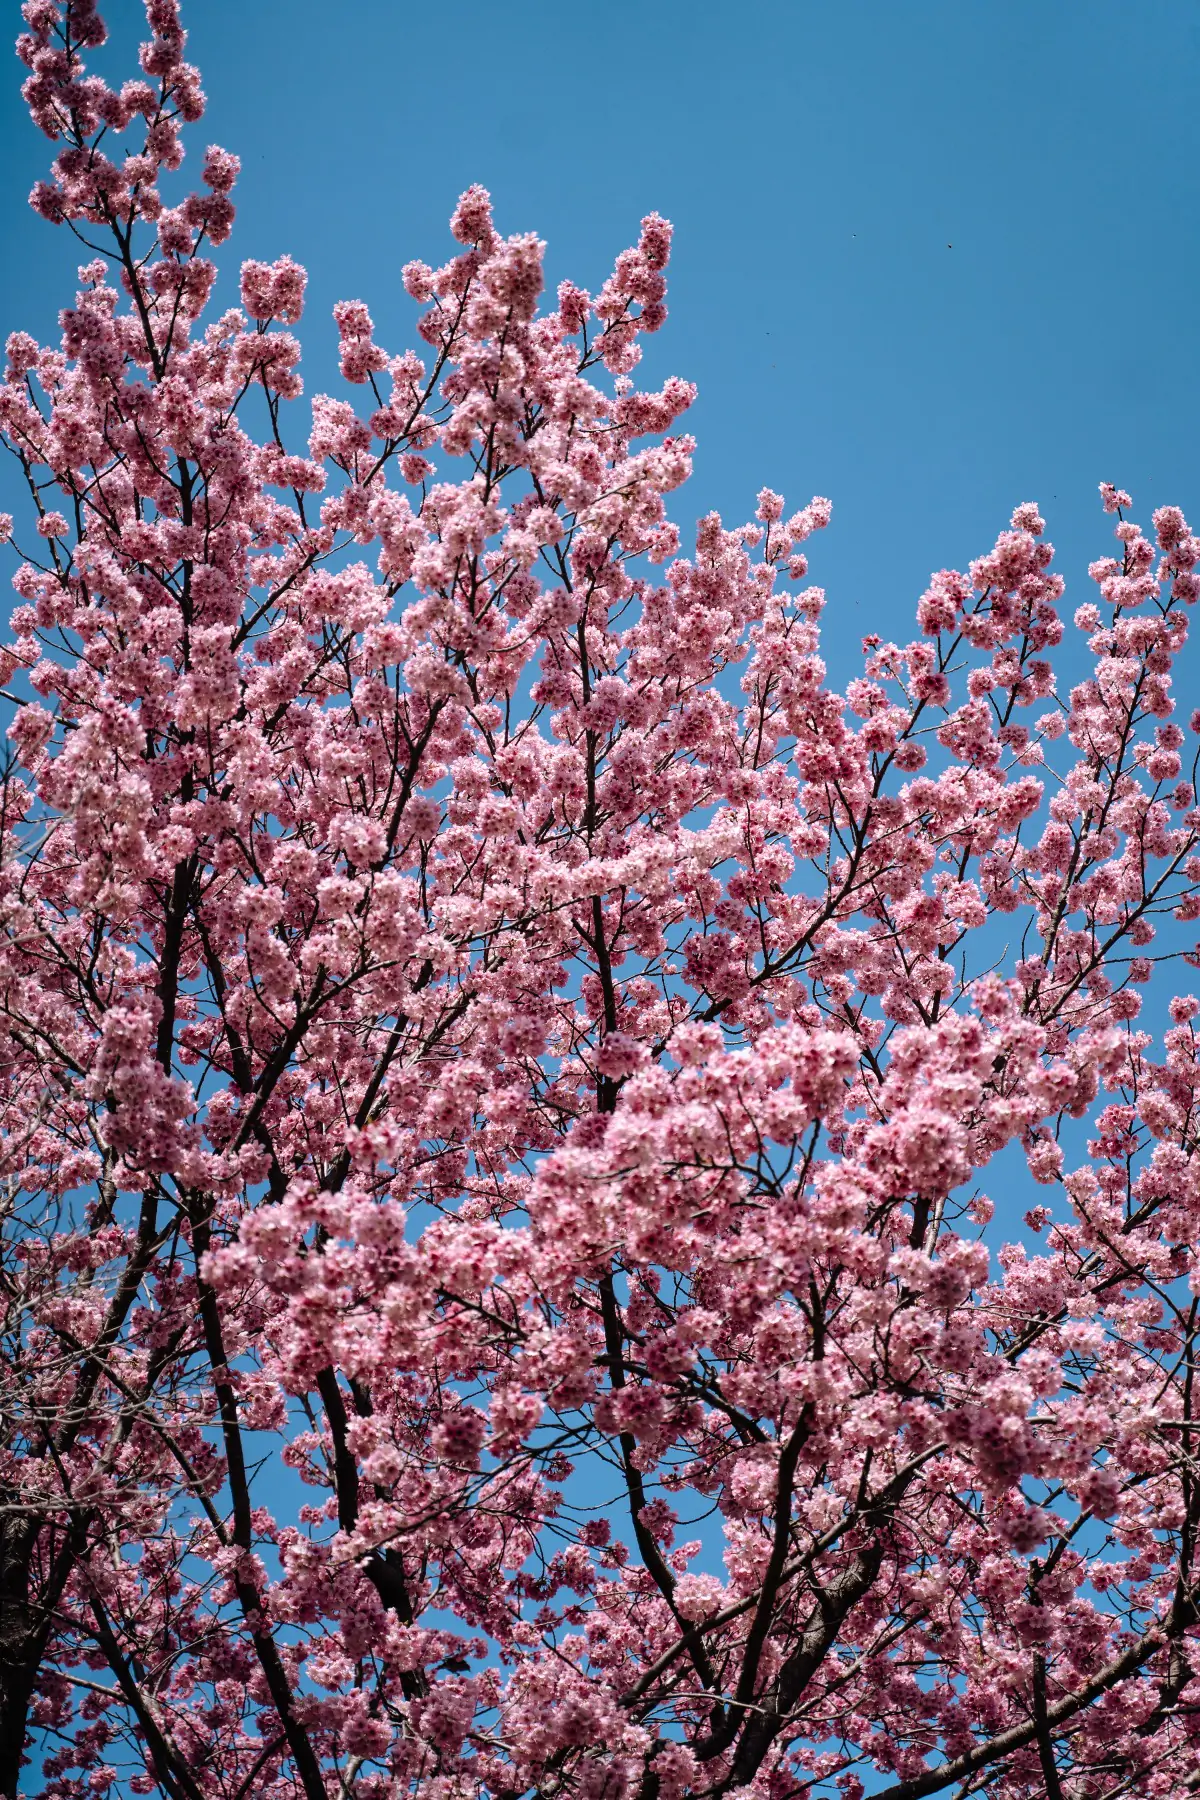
{"points": [[933, 257]]}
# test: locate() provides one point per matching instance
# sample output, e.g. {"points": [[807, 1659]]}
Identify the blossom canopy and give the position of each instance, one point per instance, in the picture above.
{"points": [[499, 1060]]}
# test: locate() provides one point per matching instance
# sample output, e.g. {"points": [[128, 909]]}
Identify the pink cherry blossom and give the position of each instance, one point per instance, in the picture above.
{"points": [[499, 1060]]}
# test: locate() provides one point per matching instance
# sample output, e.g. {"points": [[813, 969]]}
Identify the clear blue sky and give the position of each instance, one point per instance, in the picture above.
{"points": [[819, 158]]}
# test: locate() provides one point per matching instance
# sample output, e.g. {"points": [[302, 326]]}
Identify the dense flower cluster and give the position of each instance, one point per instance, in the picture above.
{"points": [[497, 1058]]}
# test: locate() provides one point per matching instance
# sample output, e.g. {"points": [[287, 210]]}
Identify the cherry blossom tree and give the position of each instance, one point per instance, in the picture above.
{"points": [[498, 1062]]}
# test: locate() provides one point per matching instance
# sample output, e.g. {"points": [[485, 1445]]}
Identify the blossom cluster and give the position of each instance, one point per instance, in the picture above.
{"points": [[498, 1061]]}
